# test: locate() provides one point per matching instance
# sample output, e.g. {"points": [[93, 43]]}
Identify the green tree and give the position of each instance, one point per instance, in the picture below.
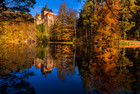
{"points": [[136, 16], [86, 15], [126, 14], [41, 32]]}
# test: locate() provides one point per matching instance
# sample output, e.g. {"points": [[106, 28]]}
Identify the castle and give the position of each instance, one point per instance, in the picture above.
{"points": [[47, 17]]}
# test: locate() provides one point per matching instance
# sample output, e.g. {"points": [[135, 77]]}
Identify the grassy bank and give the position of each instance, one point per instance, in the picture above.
{"points": [[60, 42], [129, 43]]}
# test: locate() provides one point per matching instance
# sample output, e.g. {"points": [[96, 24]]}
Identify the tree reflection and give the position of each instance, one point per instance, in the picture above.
{"points": [[15, 83], [105, 69], [124, 76], [134, 56], [102, 68], [64, 56], [15, 57], [59, 56]]}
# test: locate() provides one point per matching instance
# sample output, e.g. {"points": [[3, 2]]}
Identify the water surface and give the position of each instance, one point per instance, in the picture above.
{"points": [[68, 69]]}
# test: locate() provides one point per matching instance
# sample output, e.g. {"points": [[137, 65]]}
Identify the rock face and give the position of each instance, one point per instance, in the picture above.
{"points": [[47, 17]]}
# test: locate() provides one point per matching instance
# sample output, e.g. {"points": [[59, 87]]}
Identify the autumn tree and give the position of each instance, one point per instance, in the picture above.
{"points": [[96, 21], [16, 26], [64, 26], [17, 32], [108, 28], [107, 20]]}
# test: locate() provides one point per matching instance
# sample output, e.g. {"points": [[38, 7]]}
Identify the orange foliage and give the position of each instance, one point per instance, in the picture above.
{"points": [[108, 29]]}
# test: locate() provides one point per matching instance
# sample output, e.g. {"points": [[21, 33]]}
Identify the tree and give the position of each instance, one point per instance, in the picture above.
{"points": [[16, 83], [18, 5], [13, 9], [104, 21], [108, 28], [86, 15], [17, 32], [41, 32], [96, 20], [126, 14], [64, 26], [100, 20], [135, 18]]}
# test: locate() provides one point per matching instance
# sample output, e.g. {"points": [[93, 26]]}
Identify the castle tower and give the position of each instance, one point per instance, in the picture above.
{"points": [[45, 10], [47, 17], [46, 6]]}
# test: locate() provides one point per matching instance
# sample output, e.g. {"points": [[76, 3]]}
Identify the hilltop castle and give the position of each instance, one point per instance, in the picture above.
{"points": [[47, 17]]}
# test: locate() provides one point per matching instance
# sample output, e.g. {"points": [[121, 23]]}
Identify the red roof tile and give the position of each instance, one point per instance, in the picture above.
{"points": [[38, 15], [50, 14]]}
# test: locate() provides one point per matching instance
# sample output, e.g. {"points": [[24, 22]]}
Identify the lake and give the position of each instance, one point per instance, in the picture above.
{"points": [[69, 69]]}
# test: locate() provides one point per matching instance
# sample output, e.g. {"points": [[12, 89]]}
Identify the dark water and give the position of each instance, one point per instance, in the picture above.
{"points": [[68, 69]]}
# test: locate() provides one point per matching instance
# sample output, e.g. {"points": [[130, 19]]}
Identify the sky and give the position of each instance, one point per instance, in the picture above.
{"points": [[54, 5]]}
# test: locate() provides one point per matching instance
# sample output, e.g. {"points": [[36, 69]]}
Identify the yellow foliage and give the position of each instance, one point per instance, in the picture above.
{"points": [[17, 31]]}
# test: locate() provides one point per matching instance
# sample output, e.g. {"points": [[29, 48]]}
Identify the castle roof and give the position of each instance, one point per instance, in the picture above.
{"points": [[37, 66], [38, 15], [49, 68], [50, 14]]}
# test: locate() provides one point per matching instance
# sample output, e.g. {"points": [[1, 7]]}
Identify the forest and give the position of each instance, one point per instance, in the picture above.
{"points": [[16, 23], [109, 20], [102, 21], [99, 21]]}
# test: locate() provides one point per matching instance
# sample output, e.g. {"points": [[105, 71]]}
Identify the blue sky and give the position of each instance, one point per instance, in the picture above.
{"points": [[54, 5]]}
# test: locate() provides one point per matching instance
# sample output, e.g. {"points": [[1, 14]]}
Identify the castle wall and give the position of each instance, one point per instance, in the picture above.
{"points": [[49, 21], [38, 19]]}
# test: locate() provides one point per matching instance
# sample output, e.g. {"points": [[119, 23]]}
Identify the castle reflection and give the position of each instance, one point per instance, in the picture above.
{"points": [[46, 64], [59, 56]]}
